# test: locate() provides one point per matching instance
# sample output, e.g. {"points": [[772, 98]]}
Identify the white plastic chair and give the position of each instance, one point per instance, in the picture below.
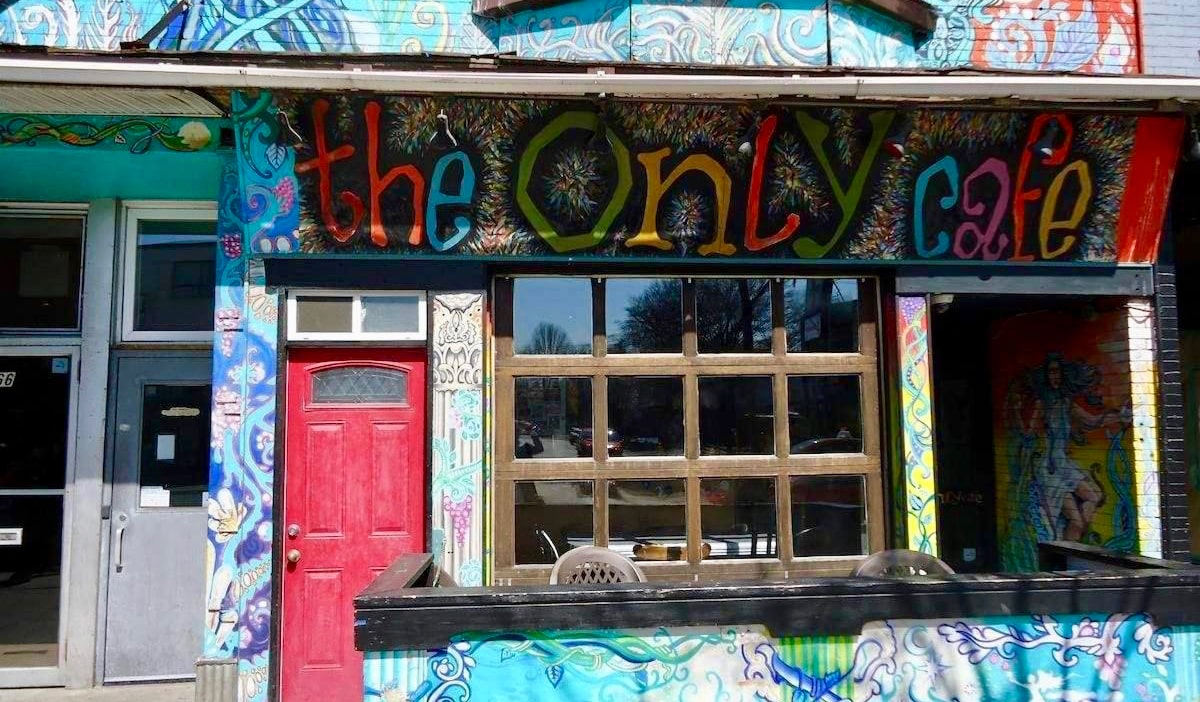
{"points": [[592, 565], [902, 562]]}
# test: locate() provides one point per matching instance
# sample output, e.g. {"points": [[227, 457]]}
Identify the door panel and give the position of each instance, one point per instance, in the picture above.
{"points": [[354, 498], [158, 524], [35, 404]]}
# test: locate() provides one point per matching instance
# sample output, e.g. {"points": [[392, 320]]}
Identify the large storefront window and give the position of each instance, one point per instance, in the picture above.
{"points": [[682, 422]]}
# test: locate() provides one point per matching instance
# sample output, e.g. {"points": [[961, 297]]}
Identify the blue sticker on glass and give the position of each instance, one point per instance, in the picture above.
{"points": [[60, 365]]}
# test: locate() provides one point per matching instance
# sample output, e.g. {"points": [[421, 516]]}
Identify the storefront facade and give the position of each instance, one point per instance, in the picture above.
{"points": [[510, 269], [735, 330]]}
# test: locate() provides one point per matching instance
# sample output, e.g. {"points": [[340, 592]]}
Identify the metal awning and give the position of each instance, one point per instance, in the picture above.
{"points": [[67, 99], [299, 73]]}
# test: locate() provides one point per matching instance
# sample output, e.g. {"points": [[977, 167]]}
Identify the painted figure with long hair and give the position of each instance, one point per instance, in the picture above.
{"points": [[1064, 410]]}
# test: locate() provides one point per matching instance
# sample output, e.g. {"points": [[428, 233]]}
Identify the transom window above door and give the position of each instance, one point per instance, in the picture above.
{"points": [[704, 427], [41, 262], [170, 272], [333, 315]]}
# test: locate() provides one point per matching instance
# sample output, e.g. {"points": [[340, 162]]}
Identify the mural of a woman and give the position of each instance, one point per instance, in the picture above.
{"points": [[1065, 395]]}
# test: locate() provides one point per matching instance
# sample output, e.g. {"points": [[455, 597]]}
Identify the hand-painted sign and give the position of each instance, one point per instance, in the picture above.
{"points": [[526, 177]]}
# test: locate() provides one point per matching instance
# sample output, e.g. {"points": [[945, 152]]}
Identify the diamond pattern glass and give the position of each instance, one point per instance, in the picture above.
{"points": [[360, 386]]}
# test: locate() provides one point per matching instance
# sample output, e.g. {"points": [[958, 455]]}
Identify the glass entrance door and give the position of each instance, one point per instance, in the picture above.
{"points": [[35, 419]]}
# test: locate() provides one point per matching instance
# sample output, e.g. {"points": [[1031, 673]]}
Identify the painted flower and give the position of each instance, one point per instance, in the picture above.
{"points": [[225, 517], [195, 134]]}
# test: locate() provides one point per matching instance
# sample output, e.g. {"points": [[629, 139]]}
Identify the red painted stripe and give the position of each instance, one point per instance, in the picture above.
{"points": [[1156, 146]]}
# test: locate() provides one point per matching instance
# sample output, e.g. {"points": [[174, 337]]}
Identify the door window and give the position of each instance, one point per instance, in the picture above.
{"points": [[174, 447], [360, 385], [170, 259], [35, 394], [41, 259]]}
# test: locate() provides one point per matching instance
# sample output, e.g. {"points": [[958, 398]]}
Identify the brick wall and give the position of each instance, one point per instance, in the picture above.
{"points": [[1171, 30]]}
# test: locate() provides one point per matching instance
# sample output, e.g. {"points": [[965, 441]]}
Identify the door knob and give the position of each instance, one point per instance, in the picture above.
{"points": [[293, 530], [293, 555]]}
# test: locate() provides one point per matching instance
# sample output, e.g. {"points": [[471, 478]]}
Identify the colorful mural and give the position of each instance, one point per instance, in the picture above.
{"points": [[1020, 659], [255, 208], [1097, 36], [135, 134], [458, 472], [1075, 432], [916, 424], [417, 175]]}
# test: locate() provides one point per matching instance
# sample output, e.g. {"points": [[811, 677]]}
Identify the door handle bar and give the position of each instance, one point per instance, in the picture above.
{"points": [[119, 556]]}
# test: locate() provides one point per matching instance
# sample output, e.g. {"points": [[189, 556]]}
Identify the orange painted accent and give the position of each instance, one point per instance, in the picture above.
{"points": [[1157, 142], [379, 185], [322, 163], [762, 142], [1022, 197]]}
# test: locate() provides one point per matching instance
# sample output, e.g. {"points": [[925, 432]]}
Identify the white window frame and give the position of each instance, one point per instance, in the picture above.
{"points": [[53, 210], [356, 316], [158, 210]]}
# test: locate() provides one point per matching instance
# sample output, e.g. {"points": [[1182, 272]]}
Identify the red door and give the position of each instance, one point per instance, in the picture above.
{"points": [[354, 498]]}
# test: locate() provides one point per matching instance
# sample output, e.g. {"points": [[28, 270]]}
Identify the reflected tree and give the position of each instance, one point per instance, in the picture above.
{"points": [[549, 338], [653, 320], [733, 315]]}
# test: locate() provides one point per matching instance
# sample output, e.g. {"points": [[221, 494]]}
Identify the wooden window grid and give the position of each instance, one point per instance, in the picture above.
{"points": [[690, 365]]}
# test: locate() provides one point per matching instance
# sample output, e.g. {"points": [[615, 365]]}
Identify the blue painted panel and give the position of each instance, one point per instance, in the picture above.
{"points": [[581, 30], [78, 24], [864, 38], [730, 32], [343, 26]]}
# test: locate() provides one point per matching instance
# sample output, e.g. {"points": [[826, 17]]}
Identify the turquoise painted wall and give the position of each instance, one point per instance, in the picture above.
{"points": [[1017, 659], [74, 159], [1066, 35]]}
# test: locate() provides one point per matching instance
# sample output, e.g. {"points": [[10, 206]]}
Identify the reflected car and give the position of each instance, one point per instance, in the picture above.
{"points": [[616, 444], [829, 445]]}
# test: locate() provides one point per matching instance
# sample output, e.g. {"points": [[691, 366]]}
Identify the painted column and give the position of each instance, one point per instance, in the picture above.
{"points": [[916, 423], [257, 215], [1143, 393], [458, 477]]}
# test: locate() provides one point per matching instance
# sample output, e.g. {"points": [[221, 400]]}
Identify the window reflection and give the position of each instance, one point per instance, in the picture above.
{"points": [[552, 315], [733, 316], [175, 274], [824, 414], [828, 516], [736, 415], [551, 416], [552, 517], [646, 519], [40, 261], [645, 416], [737, 516], [821, 315], [644, 315]]}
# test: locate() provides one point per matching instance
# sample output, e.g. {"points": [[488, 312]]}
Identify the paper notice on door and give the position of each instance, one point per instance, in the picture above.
{"points": [[166, 447], [154, 496]]}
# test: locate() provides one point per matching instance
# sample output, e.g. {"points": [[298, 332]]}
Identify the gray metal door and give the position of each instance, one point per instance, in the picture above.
{"points": [[158, 519]]}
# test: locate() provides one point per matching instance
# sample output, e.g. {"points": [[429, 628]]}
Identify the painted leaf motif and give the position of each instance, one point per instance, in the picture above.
{"points": [[275, 155], [554, 673], [506, 653]]}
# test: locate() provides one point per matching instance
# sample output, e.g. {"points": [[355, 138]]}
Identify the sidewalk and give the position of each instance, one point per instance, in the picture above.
{"points": [[174, 692]]}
